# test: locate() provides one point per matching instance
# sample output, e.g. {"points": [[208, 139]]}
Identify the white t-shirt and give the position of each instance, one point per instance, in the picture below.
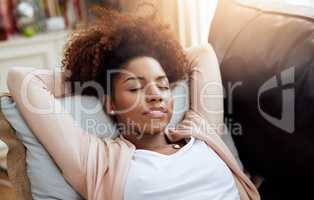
{"points": [[194, 172]]}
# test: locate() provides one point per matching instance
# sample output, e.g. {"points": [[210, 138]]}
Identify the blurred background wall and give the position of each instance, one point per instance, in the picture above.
{"points": [[33, 32]]}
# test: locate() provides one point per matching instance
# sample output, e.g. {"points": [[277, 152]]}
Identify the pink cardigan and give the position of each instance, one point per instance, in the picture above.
{"points": [[95, 168]]}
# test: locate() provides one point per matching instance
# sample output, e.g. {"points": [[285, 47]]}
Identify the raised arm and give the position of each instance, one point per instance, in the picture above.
{"points": [[206, 91], [33, 91]]}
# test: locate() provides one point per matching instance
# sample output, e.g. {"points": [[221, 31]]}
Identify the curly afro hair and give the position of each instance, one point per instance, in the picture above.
{"points": [[113, 40]]}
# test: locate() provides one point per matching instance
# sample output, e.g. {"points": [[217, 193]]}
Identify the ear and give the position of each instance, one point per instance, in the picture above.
{"points": [[108, 105]]}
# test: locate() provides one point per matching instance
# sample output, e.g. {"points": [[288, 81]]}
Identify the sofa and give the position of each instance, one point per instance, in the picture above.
{"points": [[265, 50]]}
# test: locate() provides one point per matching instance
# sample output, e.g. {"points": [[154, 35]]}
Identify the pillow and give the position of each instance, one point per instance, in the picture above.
{"points": [[50, 186], [88, 113]]}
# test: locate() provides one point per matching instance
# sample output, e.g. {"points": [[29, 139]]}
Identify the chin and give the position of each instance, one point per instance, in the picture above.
{"points": [[154, 129]]}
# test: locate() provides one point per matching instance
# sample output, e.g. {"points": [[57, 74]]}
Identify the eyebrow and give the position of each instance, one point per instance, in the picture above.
{"points": [[142, 78]]}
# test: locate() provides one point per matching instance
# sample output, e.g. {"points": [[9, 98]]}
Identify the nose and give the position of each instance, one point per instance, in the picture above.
{"points": [[153, 94]]}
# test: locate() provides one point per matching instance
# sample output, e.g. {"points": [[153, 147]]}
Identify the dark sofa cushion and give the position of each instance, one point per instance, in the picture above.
{"points": [[267, 65]]}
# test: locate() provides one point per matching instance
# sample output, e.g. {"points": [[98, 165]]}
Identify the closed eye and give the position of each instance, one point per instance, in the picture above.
{"points": [[135, 89], [164, 88]]}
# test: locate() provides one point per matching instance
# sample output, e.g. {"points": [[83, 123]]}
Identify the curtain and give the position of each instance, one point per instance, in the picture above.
{"points": [[193, 19], [189, 19]]}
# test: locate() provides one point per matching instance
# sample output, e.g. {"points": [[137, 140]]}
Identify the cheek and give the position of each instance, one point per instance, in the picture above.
{"points": [[127, 101], [128, 106]]}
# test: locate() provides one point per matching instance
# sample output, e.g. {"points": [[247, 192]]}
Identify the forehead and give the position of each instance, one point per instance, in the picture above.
{"points": [[146, 67]]}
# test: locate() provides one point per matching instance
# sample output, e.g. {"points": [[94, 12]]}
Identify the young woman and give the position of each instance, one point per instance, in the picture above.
{"points": [[131, 61]]}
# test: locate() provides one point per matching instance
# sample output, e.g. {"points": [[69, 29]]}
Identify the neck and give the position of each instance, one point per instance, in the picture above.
{"points": [[146, 140]]}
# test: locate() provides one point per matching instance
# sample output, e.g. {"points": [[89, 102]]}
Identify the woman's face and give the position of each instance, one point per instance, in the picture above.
{"points": [[142, 98]]}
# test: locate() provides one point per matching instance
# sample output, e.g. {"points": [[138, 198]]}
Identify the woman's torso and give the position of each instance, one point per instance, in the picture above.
{"points": [[193, 172]]}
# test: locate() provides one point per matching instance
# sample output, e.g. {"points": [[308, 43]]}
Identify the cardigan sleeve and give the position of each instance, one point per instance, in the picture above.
{"points": [[34, 92], [206, 91]]}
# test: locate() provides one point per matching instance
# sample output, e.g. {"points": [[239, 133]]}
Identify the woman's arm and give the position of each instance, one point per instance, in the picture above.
{"points": [[206, 90], [33, 91]]}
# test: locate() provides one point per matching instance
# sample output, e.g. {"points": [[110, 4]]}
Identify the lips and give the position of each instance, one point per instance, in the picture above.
{"points": [[156, 112]]}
